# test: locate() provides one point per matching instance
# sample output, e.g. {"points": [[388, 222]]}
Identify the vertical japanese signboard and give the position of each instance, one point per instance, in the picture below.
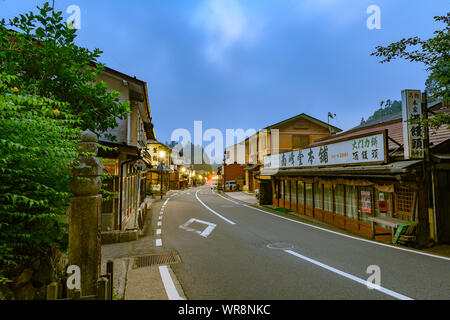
{"points": [[412, 132]]}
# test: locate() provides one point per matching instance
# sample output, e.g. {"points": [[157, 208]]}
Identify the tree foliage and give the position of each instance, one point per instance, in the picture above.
{"points": [[37, 143], [434, 53], [390, 107], [39, 49]]}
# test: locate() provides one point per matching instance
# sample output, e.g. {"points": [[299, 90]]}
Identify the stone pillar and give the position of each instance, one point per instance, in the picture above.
{"points": [[85, 214]]}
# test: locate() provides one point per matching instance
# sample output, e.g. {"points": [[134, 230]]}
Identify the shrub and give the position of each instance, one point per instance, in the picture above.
{"points": [[37, 144]]}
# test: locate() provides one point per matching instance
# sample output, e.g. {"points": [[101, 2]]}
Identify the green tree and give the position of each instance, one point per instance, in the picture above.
{"points": [[39, 48], [37, 144], [434, 53]]}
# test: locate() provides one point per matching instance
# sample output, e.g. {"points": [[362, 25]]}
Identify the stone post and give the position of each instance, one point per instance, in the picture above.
{"points": [[85, 214]]}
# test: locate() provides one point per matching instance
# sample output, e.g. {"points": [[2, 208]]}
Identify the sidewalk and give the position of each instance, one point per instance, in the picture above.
{"points": [[140, 283], [243, 196]]}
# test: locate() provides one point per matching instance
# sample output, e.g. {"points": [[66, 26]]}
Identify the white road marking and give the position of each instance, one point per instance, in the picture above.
{"points": [[349, 276], [205, 233], [217, 214], [158, 231], [158, 242], [340, 234], [171, 290]]}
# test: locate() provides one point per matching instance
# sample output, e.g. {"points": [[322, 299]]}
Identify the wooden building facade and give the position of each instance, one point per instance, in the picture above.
{"points": [[369, 198]]}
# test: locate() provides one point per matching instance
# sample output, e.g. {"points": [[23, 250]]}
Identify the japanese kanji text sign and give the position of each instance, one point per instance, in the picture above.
{"points": [[412, 132], [360, 150]]}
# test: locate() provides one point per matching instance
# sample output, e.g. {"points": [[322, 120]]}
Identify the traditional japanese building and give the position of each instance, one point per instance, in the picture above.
{"points": [[363, 180], [290, 134], [120, 212]]}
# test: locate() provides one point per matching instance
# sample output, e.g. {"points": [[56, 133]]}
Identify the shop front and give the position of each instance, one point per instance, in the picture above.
{"points": [[349, 200], [350, 184]]}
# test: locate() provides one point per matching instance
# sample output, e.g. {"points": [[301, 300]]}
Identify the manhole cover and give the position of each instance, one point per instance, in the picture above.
{"points": [[280, 246], [156, 259]]}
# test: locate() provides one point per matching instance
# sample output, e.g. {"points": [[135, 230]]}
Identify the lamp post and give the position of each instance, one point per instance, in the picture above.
{"points": [[223, 173], [162, 155]]}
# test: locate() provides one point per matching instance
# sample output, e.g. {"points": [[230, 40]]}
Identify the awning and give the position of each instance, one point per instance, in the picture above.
{"points": [[394, 168], [252, 168]]}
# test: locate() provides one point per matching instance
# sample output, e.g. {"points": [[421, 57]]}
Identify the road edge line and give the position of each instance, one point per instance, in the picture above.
{"points": [[341, 234], [349, 276], [217, 214]]}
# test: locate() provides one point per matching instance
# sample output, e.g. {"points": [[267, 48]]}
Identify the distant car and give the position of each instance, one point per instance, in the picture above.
{"points": [[214, 185], [231, 185]]}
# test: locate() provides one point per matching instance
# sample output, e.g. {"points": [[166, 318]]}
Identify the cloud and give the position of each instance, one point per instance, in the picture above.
{"points": [[226, 24]]}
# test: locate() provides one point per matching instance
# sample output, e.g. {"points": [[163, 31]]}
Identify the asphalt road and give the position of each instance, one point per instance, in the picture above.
{"points": [[235, 252]]}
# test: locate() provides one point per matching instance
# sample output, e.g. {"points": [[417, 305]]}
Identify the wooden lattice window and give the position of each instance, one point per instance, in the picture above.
{"points": [[405, 198]]}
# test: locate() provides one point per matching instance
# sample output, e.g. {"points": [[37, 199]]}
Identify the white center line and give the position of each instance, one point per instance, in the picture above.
{"points": [[349, 276], [217, 214]]}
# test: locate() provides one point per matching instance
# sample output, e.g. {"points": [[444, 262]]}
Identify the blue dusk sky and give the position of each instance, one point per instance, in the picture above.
{"points": [[249, 64]]}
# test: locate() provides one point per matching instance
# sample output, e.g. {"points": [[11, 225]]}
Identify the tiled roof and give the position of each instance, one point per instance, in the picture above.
{"points": [[395, 132]]}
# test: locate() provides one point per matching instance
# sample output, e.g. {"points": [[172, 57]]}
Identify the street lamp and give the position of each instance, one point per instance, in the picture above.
{"points": [[162, 155]]}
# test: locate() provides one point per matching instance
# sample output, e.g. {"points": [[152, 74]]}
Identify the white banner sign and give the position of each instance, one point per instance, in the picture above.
{"points": [[360, 150], [412, 133]]}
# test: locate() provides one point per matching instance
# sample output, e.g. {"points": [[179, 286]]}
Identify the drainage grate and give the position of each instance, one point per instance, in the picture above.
{"points": [[157, 259]]}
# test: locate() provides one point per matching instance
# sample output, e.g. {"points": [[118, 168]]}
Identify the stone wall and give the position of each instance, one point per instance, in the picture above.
{"points": [[31, 281]]}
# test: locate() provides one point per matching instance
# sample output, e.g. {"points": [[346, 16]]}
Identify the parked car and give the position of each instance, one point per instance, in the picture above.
{"points": [[231, 185]]}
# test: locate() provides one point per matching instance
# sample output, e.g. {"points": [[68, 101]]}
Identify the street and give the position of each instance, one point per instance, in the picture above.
{"points": [[230, 250]]}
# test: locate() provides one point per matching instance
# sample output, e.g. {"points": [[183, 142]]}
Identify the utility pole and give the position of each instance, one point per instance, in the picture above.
{"points": [[427, 170]]}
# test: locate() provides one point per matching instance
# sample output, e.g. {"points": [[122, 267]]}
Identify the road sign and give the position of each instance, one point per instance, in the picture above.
{"points": [[160, 167], [140, 165]]}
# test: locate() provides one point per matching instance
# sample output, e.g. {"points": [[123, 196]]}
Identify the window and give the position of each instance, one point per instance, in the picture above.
{"points": [[339, 199], [405, 201], [263, 139], [317, 196], [328, 199], [309, 194], [299, 141], [277, 188], [350, 201], [383, 206], [301, 199], [294, 192]]}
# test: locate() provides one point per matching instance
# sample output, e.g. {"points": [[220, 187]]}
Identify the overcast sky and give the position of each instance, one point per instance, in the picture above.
{"points": [[249, 64]]}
